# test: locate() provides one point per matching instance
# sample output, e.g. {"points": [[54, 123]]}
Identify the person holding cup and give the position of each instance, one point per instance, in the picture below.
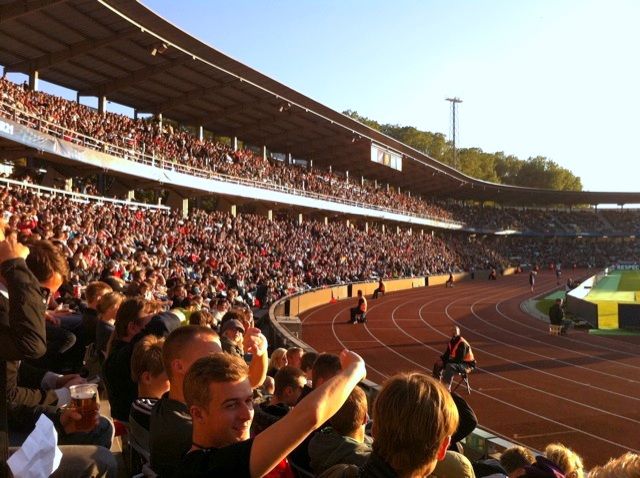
{"points": [[39, 391]]}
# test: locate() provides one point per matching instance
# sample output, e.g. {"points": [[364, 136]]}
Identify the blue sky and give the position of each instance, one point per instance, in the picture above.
{"points": [[553, 78]]}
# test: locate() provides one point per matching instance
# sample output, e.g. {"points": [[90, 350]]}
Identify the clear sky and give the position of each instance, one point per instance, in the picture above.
{"points": [[556, 78]]}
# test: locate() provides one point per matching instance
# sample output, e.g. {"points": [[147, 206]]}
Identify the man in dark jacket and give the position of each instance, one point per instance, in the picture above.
{"points": [[32, 391], [289, 382], [344, 440], [556, 315]]}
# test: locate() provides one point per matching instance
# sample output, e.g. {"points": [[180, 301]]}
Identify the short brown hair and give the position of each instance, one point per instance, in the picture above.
{"points": [[147, 357], [287, 377], [201, 317], [94, 289], [219, 367], [516, 457], [109, 300], [352, 413], [291, 351], [412, 416], [325, 367], [179, 339], [129, 312], [45, 259], [308, 359]]}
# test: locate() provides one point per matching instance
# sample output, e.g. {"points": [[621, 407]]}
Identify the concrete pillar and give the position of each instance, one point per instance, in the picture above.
{"points": [[233, 210], [235, 143], [289, 158], [264, 153], [348, 224], [311, 164], [409, 193], [383, 229], [361, 180], [131, 195], [326, 221], [68, 184], [398, 230], [422, 232], [366, 227], [347, 175], [387, 187], [175, 201], [330, 169], [102, 104], [375, 183], [270, 215], [34, 78], [160, 120], [200, 133], [300, 219]]}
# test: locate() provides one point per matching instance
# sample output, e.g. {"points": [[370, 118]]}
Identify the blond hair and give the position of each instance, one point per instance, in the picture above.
{"points": [[567, 460], [625, 466]]}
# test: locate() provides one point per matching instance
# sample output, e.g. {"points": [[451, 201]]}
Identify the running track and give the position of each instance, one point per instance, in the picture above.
{"points": [[529, 387]]}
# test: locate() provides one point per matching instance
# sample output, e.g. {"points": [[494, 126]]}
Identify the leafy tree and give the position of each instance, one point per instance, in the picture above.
{"points": [[538, 172]]}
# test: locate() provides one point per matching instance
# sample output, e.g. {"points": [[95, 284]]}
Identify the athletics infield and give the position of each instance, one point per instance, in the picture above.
{"points": [[530, 388]]}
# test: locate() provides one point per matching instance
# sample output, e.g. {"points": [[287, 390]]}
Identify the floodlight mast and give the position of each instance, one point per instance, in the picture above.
{"points": [[454, 102]]}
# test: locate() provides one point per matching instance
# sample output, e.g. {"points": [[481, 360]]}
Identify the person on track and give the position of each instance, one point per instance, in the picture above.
{"points": [[359, 312], [457, 358]]}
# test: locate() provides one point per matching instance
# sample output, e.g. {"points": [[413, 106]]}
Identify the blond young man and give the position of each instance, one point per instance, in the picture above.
{"points": [[220, 400], [171, 424]]}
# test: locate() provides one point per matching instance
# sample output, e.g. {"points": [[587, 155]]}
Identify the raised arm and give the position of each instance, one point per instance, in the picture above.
{"points": [[276, 442], [256, 344]]}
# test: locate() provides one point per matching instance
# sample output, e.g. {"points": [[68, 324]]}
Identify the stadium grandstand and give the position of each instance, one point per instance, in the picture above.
{"points": [[228, 212]]}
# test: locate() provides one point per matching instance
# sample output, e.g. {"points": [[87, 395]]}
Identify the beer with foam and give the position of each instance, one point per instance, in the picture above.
{"points": [[84, 399]]}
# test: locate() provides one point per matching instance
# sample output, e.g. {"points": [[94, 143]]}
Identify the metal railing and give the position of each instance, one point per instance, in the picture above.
{"points": [[79, 197]]}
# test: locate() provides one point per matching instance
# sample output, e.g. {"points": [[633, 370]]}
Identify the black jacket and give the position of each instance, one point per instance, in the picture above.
{"points": [[23, 335]]}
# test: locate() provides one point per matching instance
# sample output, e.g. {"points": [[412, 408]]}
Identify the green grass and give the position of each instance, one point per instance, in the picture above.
{"points": [[614, 332], [544, 305], [630, 281]]}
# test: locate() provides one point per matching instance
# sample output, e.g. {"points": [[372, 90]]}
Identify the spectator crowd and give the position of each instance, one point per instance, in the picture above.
{"points": [[158, 308]]}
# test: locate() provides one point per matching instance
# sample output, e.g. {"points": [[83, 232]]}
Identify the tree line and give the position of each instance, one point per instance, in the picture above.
{"points": [[535, 172]]}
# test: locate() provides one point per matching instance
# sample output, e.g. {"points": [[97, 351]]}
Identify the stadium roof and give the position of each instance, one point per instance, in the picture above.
{"points": [[121, 50]]}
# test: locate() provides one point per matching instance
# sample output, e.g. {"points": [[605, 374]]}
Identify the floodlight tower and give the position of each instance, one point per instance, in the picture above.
{"points": [[454, 102]]}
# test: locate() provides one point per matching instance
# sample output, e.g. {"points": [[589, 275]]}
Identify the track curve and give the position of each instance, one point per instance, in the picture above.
{"points": [[529, 387]]}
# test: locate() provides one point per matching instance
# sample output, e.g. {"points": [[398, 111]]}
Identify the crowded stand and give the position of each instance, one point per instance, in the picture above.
{"points": [[169, 146]]}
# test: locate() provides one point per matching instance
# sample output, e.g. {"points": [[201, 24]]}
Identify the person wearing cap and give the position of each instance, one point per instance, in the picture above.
{"points": [[231, 335]]}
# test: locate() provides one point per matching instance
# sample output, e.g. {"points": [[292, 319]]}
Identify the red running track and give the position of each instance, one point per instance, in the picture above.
{"points": [[531, 388]]}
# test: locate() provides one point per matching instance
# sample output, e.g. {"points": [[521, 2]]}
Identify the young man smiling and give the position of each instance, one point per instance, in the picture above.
{"points": [[220, 400]]}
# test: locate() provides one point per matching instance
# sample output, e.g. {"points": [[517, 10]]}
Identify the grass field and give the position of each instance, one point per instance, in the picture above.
{"points": [[629, 281], [617, 287]]}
